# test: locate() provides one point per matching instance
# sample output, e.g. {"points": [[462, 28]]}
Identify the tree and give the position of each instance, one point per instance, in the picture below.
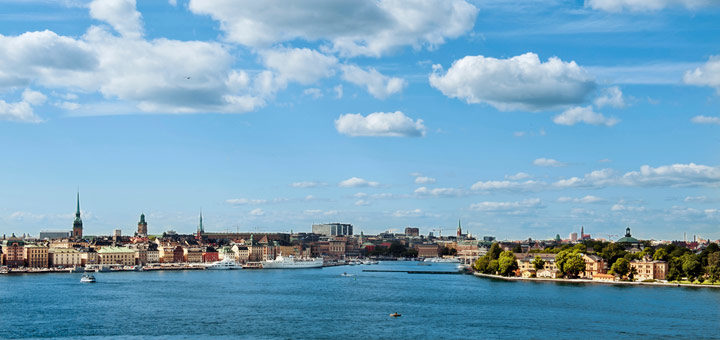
{"points": [[612, 252], [691, 266], [713, 268], [580, 247], [574, 266], [538, 263], [494, 251], [481, 264], [506, 263], [492, 267], [621, 267], [660, 255]]}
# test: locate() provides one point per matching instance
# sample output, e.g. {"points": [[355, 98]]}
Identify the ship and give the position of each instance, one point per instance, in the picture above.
{"points": [[443, 260], [291, 262], [227, 263]]}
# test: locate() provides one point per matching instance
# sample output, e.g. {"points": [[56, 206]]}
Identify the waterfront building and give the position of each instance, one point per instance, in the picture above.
{"points": [[629, 242], [14, 252], [36, 256], [604, 277], [77, 230], [141, 250], [192, 255], [210, 255], [171, 253], [240, 251], [526, 265], [336, 247], [65, 257], [89, 256], [117, 255], [428, 250], [51, 235], [153, 254], [647, 269], [412, 232], [593, 265], [333, 229], [142, 227]]}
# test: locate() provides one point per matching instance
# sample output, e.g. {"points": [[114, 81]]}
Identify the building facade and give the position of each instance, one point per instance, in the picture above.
{"points": [[117, 255], [648, 269], [14, 252], [36, 256], [428, 250], [65, 257], [333, 229]]}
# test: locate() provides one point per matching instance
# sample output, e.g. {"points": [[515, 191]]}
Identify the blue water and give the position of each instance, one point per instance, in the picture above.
{"points": [[321, 304]]}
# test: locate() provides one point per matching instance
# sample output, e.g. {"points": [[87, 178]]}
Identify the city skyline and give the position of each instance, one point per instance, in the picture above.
{"points": [[522, 119]]}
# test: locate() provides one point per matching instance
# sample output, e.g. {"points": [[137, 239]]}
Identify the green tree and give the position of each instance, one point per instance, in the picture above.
{"points": [[691, 266], [538, 263], [494, 251], [481, 264], [492, 267], [506, 263], [574, 266], [580, 247], [621, 267], [612, 252], [713, 268], [660, 255]]}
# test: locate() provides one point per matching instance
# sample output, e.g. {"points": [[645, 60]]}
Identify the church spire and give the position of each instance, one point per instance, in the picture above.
{"points": [[459, 229], [77, 224], [200, 226], [77, 211]]}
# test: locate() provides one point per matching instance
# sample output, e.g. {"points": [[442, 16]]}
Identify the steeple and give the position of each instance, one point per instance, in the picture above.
{"points": [[142, 226], [459, 229], [77, 224], [77, 211], [200, 226]]}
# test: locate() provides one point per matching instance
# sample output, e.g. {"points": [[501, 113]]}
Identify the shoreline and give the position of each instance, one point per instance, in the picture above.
{"points": [[651, 284]]}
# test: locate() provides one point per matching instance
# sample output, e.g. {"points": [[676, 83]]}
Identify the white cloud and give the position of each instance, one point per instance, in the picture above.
{"points": [[705, 120], [587, 199], [424, 180], [307, 184], [257, 212], [644, 5], [377, 84], [120, 14], [22, 111], [380, 124], [623, 206], [357, 182], [676, 175], [313, 92], [352, 28], [706, 75], [409, 213], [548, 162], [612, 97], [518, 83], [700, 199], [439, 192], [583, 114], [172, 2], [338, 91], [362, 202], [489, 206], [301, 65], [244, 201], [506, 185], [518, 176]]}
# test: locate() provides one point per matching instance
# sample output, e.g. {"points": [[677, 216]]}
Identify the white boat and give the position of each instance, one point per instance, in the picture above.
{"points": [[347, 275], [227, 263], [442, 260], [87, 278], [291, 262]]}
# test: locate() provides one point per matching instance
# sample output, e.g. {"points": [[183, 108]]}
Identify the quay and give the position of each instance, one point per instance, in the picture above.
{"points": [[412, 271]]}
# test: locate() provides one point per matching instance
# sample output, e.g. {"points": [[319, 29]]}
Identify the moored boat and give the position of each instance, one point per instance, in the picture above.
{"points": [[87, 278], [291, 262], [227, 263]]}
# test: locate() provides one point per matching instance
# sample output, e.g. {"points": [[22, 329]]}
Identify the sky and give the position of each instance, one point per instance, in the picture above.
{"points": [[519, 118]]}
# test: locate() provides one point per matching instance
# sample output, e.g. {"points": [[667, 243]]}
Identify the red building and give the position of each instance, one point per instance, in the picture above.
{"points": [[14, 252], [210, 255]]}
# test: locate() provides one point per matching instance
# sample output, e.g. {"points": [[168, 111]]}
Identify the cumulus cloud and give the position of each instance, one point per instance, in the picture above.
{"points": [[507, 185], [377, 84], [409, 213], [612, 97], [623, 206], [357, 182], [362, 202], [700, 199], [22, 111], [586, 199], [351, 28], [489, 206], [549, 162], [518, 83], [518, 176], [120, 14], [245, 201], [380, 124], [307, 184], [301, 65], [676, 175], [424, 180], [257, 212], [705, 120], [439, 192], [706, 75], [583, 114], [644, 5]]}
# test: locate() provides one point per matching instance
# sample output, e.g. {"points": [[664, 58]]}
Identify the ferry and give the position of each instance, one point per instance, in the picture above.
{"points": [[87, 278], [228, 263], [442, 260], [291, 262]]}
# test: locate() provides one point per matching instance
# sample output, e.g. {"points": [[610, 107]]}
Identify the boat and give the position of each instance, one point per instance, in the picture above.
{"points": [[87, 278], [252, 265], [345, 274], [442, 260], [395, 315], [226, 263], [291, 262]]}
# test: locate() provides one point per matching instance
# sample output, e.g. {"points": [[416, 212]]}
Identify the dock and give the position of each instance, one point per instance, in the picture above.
{"points": [[412, 271]]}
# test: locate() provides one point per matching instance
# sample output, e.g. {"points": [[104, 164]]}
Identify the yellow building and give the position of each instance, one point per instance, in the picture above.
{"points": [[36, 256], [593, 265], [192, 255], [649, 270], [65, 257], [117, 255]]}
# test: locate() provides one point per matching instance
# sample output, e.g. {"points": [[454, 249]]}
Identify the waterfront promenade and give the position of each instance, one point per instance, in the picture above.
{"points": [[586, 281]]}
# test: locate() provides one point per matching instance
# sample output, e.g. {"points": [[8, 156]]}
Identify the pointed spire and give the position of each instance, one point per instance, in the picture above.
{"points": [[200, 226], [77, 212]]}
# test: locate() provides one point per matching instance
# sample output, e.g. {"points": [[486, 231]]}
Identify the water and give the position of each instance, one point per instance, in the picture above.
{"points": [[321, 304]]}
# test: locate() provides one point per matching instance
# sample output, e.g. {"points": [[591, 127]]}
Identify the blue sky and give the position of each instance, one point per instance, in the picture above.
{"points": [[524, 119]]}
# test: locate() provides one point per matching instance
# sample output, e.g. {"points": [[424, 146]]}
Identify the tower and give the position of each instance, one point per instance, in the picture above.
{"points": [[459, 230], [582, 232], [77, 229], [200, 229], [142, 227]]}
